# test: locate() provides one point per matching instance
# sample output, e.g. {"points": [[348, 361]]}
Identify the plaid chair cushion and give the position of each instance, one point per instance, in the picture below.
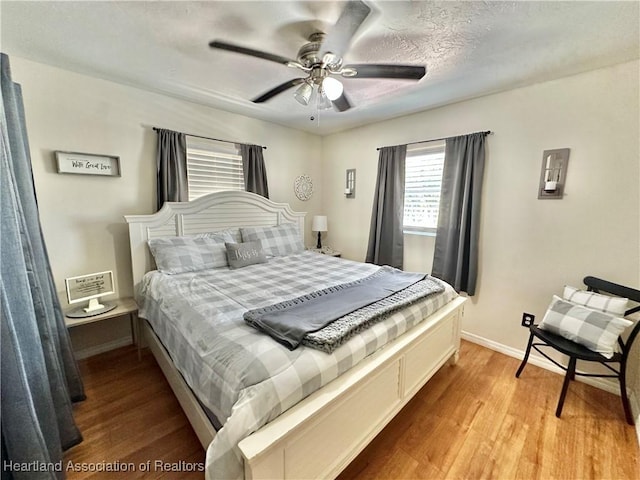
{"points": [[277, 241], [190, 253], [598, 331], [596, 301]]}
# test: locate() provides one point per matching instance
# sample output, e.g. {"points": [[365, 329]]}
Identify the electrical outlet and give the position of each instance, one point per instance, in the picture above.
{"points": [[527, 319]]}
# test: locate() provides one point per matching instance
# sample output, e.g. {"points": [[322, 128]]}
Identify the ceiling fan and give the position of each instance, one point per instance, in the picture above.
{"points": [[321, 60]]}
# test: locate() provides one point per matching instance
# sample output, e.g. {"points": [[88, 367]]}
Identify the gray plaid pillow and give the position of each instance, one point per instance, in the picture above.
{"points": [[596, 301], [598, 331], [277, 241], [244, 254], [190, 253]]}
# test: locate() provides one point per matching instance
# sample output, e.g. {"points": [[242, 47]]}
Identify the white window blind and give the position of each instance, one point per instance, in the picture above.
{"points": [[423, 180], [212, 166]]}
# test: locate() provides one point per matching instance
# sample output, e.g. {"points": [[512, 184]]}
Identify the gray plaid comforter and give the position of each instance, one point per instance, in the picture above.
{"points": [[242, 375]]}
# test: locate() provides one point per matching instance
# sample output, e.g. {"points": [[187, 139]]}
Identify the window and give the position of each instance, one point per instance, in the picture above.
{"points": [[423, 179], [212, 166]]}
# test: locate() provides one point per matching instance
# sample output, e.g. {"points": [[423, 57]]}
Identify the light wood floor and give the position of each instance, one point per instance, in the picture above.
{"points": [[131, 416], [474, 420]]}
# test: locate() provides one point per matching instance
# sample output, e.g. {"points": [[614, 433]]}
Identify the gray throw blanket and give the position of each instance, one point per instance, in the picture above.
{"points": [[336, 333], [288, 322]]}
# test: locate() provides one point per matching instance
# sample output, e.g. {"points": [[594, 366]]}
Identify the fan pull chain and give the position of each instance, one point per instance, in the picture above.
{"points": [[317, 113]]}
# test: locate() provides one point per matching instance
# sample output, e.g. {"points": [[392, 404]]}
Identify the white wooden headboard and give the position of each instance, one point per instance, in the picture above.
{"points": [[210, 213]]}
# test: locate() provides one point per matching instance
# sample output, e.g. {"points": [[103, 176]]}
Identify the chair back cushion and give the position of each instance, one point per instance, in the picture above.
{"points": [[596, 301], [598, 331]]}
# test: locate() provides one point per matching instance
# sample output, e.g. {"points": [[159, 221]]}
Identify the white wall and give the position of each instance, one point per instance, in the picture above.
{"points": [[529, 248], [82, 215]]}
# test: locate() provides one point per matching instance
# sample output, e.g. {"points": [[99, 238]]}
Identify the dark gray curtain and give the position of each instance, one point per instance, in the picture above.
{"points": [[255, 173], [171, 167], [386, 242], [39, 376], [456, 248]]}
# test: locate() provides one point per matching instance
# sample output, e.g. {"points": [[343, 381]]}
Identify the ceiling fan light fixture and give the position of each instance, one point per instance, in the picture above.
{"points": [[332, 88], [323, 101], [303, 93], [321, 58]]}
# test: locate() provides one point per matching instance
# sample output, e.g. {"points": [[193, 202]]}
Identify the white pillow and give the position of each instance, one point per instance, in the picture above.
{"points": [[598, 331], [596, 301]]}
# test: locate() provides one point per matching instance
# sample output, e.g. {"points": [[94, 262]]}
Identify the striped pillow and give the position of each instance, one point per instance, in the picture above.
{"points": [[598, 331], [596, 301], [277, 241]]}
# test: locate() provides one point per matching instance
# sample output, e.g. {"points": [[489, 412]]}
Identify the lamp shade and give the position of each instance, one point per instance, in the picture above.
{"points": [[319, 223]]}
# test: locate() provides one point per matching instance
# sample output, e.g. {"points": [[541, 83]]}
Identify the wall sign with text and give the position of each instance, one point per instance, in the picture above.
{"points": [[88, 164], [86, 287]]}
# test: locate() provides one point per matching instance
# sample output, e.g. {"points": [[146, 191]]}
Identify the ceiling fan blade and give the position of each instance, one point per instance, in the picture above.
{"points": [[341, 103], [340, 35], [248, 51], [277, 90], [408, 72]]}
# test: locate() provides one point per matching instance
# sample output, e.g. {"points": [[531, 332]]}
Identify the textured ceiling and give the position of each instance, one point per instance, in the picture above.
{"points": [[469, 48]]}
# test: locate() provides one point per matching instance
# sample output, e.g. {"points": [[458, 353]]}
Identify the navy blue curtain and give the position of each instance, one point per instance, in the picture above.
{"points": [[39, 376]]}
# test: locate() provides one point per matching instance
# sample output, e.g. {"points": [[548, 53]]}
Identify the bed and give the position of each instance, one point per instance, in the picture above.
{"points": [[345, 398]]}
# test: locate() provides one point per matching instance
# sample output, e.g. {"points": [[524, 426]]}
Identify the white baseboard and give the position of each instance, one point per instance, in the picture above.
{"points": [[601, 383], [103, 347]]}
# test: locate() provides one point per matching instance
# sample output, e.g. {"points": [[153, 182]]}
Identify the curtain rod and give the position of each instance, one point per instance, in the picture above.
{"points": [[209, 138], [487, 132]]}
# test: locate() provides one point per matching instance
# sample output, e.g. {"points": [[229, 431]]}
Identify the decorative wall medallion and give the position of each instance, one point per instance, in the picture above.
{"points": [[303, 186]]}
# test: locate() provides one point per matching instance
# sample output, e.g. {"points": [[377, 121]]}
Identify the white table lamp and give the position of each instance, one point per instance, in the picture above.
{"points": [[319, 224]]}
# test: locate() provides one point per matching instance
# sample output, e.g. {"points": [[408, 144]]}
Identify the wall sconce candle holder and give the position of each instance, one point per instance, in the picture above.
{"points": [[350, 184], [553, 174]]}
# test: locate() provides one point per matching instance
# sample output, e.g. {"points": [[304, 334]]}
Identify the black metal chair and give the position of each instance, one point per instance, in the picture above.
{"points": [[577, 352]]}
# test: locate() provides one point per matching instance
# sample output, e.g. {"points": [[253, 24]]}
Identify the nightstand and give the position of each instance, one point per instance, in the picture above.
{"points": [[126, 306]]}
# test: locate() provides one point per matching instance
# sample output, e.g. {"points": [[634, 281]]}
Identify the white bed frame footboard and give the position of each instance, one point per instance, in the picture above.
{"points": [[322, 434]]}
